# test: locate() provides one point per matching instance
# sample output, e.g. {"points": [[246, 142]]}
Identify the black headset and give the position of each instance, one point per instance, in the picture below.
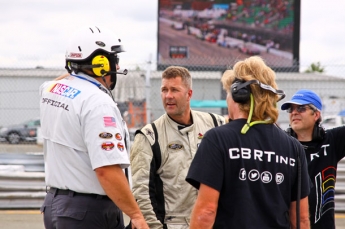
{"points": [[240, 90], [318, 132]]}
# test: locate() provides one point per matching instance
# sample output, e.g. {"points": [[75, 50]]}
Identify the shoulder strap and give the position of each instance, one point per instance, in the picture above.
{"points": [[156, 184], [214, 119], [156, 149]]}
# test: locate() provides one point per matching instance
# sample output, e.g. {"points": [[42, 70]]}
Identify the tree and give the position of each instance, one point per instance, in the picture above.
{"points": [[315, 67]]}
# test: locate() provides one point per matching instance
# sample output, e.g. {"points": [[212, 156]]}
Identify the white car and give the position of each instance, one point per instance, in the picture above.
{"points": [[177, 25], [227, 42]]}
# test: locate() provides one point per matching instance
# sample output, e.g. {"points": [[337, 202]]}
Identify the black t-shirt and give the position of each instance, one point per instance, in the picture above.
{"points": [[323, 157], [255, 173]]}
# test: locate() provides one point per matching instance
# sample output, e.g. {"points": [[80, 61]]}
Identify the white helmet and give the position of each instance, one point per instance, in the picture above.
{"points": [[89, 42]]}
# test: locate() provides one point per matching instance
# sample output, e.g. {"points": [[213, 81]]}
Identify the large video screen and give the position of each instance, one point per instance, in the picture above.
{"points": [[216, 33]]}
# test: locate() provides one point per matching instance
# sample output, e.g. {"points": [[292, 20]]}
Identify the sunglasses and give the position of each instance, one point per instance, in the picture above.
{"points": [[117, 60], [299, 108]]}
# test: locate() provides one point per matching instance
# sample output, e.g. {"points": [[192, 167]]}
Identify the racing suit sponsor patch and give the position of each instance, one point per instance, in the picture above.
{"points": [[175, 146], [150, 133]]}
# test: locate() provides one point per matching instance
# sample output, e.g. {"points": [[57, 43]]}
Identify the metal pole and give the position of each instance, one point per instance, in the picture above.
{"points": [[148, 91]]}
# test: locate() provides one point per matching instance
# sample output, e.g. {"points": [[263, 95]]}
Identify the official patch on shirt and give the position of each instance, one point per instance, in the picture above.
{"points": [[120, 146], [175, 146], [107, 146], [109, 121], [55, 103], [64, 90], [105, 135], [118, 136]]}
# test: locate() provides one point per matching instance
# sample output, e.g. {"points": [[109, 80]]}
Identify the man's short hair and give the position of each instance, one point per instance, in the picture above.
{"points": [[177, 71]]}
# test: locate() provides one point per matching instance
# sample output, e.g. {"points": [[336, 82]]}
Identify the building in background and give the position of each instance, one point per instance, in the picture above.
{"points": [[19, 99]]}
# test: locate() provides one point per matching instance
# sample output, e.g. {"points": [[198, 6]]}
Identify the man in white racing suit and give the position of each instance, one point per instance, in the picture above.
{"points": [[163, 151]]}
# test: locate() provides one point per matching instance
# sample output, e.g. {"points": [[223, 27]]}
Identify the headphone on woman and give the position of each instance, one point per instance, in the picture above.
{"points": [[241, 93], [240, 90]]}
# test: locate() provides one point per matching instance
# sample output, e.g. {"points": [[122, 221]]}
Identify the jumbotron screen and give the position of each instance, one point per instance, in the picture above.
{"points": [[215, 34]]}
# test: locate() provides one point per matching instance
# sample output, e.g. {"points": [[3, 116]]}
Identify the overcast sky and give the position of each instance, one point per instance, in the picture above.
{"points": [[35, 32]]}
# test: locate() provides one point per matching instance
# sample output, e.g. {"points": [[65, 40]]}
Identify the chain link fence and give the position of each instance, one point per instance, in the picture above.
{"points": [[138, 93]]}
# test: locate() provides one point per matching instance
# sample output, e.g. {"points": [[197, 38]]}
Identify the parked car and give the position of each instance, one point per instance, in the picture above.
{"points": [[26, 131]]}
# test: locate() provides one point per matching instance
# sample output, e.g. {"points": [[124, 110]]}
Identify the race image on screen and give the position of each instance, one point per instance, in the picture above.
{"points": [[218, 33]]}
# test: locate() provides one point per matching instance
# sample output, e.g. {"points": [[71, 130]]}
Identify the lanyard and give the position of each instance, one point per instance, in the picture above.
{"points": [[94, 83], [83, 78]]}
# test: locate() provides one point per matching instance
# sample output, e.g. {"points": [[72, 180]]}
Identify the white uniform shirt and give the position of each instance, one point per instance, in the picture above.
{"points": [[82, 130]]}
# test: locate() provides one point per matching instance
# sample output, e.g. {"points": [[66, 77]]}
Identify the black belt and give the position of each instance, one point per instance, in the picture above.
{"points": [[56, 191]]}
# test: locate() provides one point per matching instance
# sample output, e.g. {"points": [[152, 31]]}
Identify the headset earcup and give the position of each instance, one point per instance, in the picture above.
{"points": [[240, 95], [103, 60], [318, 132]]}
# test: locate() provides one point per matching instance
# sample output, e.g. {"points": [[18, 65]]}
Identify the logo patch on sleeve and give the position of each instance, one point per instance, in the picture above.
{"points": [[118, 136], [120, 146], [107, 146], [105, 135]]}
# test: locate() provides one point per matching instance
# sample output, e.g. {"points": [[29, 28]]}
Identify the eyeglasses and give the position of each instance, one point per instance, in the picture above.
{"points": [[299, 108]]}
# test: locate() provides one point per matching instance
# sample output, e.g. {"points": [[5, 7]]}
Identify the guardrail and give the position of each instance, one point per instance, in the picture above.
{"points": [[22, 184]]}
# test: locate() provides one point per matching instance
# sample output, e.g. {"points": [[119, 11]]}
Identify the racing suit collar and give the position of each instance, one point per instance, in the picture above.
{"points": [[183, 129]]}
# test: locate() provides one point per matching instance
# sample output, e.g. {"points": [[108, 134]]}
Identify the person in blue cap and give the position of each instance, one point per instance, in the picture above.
{"points": [[323, 149]]}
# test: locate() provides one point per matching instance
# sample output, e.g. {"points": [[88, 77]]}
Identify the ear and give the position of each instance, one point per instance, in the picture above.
{"points": [[190, 93], [317, 115]]}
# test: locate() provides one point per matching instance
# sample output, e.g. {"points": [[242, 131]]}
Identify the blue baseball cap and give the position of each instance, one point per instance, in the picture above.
{"points": [[304, 97]]}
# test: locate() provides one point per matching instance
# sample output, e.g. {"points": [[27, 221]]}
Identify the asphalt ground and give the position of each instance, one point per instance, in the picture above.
{"points": [[26, 219], [32, 219]]}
